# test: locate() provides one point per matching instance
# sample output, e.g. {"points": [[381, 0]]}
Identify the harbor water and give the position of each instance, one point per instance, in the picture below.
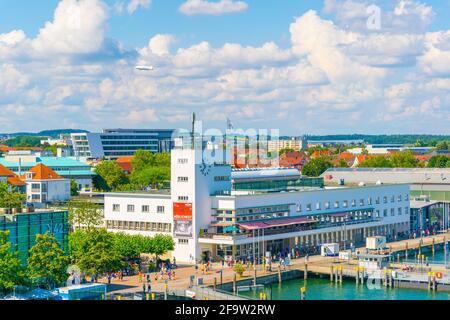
{"points": [[323, 289]]}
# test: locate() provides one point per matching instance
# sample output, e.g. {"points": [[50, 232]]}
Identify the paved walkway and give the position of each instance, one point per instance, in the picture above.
{"points": [[181, 282]]}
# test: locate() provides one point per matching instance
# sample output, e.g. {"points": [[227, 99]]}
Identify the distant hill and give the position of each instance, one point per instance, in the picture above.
{"points": [[384, 139], [45, 133]]}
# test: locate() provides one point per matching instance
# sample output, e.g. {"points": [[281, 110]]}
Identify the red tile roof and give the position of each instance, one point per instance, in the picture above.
{"points": [[42, 172]]}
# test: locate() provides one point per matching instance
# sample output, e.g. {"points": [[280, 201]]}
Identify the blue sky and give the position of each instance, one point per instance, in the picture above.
{"points": [[300, 66]]}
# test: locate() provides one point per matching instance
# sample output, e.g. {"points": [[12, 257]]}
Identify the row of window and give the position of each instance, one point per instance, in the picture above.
{"points": [[352, 203], [139, 226], [144, 209], [392, 212]]}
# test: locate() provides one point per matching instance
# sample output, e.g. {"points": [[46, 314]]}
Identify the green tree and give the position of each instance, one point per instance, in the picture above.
{"points": [[342, 164], [142, 159], [439, 162], [151, 176], [376, 161], [77, 241], [161, 244], [316, 166], [11, 272], [404, 159], [84, 213], [111, 174], [47, 263], [97, 253], [443, 145], [9, 197], [127, 246], [74, 188]]}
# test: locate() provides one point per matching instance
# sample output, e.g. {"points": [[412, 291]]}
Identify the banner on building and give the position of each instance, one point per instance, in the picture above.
{"points": [[182, 217]]}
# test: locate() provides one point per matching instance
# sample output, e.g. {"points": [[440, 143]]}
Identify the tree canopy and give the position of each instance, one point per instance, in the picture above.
{"points": [[439, 162], [376, 161], [317, 166], [110, 176], [85, 213], [47, 263], [11, 271], [9, 198]]}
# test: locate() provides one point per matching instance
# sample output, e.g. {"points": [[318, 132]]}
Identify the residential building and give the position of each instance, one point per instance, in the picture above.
{"points": [[212, 211], [69, 168], [23, 228], [45, 186], [9, 177], [293, 160], [296, 144], [115, 143], [388, 148], [126, 163]]}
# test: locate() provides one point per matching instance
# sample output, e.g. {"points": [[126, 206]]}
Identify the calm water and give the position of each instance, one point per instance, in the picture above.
{"points": [[322, 289]]}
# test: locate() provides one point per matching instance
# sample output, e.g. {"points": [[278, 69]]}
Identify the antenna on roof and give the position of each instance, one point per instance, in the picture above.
{"points": [[193, 130]]}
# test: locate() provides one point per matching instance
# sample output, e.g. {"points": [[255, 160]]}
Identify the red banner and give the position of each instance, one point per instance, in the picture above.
{"points": [[182, 211]]}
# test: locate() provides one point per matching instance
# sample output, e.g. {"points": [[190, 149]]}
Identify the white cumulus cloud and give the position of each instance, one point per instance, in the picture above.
{"points": [[206, 7]]}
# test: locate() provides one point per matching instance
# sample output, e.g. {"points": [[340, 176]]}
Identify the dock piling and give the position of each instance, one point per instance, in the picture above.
{"points": [[305, 275], [357, 276], [340, 274], [331, 273]]}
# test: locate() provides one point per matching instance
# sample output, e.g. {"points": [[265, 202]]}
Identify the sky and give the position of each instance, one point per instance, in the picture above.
{"points": [[302, 67]]}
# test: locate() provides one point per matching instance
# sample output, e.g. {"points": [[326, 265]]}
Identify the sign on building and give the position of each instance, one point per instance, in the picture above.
{"points": [[182, 217]]}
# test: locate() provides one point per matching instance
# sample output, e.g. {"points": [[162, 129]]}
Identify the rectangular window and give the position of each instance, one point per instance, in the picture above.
{"points": [[361, 202], [406, 197], [308, 207], [130, 208], [183, 241], [393, 199], [385, 212], [353, 203], [369, 201], [183, 179], [153, 227], [399, 211], [385, 199], [377, 201], [145, 209], [299, 208], [160, 209], [183, 161], [116, 207], [392, 212], [345, 203], [336, 204], [327, 205], [318, 206], [183, 198], [399, 198], [406, 210]]}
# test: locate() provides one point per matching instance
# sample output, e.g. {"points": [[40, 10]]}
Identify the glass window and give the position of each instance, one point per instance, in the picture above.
{"points": [[385, 212], [130, 208], [377, 201], [345, 203], [299, 208], [384, 199], [160, 209], [361, 202], [336, 204], [318, 206], [327, 205], [116, 207], [308, 207], [145, 209]]}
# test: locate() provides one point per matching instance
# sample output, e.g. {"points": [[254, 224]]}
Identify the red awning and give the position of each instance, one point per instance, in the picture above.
{"points": [[275, 223]]}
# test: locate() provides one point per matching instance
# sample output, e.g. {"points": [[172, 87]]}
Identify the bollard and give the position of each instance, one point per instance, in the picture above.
{"points": [[302, 293], [357, 276], [153, 296], [340, 274], [234, 282], [147, 296], [429, 280], [362, 275], [336, 274], [166, 288], [119, 298], [305, 275], [331, 273], [279, 274]]}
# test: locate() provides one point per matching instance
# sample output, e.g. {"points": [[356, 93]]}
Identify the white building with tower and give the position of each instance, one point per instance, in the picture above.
{"points": [[212, 211]]}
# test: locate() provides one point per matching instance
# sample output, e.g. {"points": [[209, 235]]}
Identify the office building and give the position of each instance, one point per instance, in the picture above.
{"points": [[115, 143], [23, 228]]}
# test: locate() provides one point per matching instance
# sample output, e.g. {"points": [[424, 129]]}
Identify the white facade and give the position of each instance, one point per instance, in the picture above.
{"points": [[206, 189], [41, 192]]}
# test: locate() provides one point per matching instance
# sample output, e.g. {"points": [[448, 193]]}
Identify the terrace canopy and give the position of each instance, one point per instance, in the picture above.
{"points": [[275, 223]]}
